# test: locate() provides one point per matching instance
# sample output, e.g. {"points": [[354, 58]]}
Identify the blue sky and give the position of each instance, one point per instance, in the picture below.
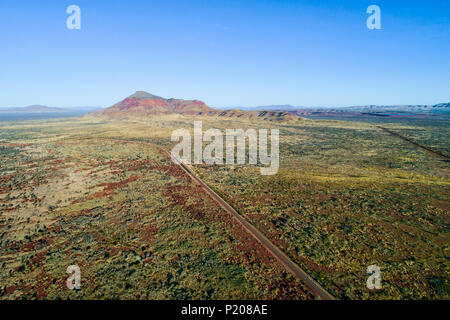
{"points": [[226, 53]]}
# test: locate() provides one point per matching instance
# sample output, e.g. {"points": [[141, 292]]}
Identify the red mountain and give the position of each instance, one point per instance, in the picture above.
{"points": [[143, 103]]}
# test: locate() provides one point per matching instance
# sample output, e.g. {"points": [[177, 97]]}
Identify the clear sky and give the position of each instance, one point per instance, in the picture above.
{"points": [[226, 53]]}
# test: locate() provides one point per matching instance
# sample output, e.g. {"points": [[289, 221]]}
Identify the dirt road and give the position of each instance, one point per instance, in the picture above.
{"points": [[315, 288], [398, 135], [280, 256]]}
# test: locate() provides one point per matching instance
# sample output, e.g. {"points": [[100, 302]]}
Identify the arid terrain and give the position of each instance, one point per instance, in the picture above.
{"points": [[99, 192]]}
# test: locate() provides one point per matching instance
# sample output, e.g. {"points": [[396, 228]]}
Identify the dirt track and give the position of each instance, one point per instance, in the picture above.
{"points": [[398, 135], [315, 288]]}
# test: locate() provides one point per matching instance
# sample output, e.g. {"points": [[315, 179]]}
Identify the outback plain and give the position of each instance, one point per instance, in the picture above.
{"points": [[102, 194]]}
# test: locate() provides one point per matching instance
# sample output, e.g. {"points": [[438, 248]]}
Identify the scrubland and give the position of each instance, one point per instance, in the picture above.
{"points": [[99, 194]]}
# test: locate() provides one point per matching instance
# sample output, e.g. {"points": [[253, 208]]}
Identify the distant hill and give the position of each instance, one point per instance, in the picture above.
{"points": [[34, 109], [369, 110], [141, 104], [441, 108], [284, 107], [44, 109], [442, 105]]}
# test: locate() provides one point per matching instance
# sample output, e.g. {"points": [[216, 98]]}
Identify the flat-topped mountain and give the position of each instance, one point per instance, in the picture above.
{"points": [[141, 104]]}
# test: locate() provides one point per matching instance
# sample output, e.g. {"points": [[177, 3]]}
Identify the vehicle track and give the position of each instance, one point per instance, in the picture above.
{"points": [[398, 135], [314, 287]]}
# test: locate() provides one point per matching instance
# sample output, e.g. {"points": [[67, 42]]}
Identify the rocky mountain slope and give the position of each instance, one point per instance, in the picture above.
{"points": [[142, 104]]}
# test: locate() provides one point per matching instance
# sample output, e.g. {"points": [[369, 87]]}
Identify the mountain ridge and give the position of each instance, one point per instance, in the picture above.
{"points": [[289, 107], [142, 104]]}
